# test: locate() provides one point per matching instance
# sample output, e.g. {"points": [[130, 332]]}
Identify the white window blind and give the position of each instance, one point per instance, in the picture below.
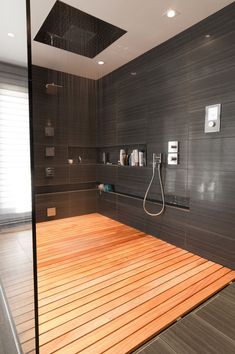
{"points": [[15, 175]]}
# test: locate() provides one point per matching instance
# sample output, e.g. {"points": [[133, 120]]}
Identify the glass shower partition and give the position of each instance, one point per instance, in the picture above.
{"points": [[17, 273]]}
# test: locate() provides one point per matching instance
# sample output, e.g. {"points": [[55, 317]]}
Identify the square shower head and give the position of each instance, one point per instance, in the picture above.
{"points": [[76, 31]]}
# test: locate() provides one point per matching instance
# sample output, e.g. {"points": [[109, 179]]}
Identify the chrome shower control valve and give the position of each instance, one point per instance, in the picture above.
{"points": [[172, 159], [211, 124]]}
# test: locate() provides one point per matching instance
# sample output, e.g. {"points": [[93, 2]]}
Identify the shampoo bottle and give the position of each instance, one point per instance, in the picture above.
{"points": [[141, 158], [122, 157], [136, 157]]}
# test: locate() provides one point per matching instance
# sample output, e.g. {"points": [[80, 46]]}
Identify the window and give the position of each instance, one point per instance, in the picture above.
{"points": [[15, 176]]}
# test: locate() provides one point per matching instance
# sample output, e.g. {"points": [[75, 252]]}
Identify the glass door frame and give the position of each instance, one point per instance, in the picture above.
{"points": [[34, 242]]}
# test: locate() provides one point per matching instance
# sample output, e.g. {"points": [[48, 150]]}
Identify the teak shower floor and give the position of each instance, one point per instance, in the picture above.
{"points": [[107, 287]]}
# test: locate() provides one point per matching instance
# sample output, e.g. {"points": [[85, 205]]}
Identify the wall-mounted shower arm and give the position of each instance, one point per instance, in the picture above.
{"points": [[54, 85], [52, 88]]}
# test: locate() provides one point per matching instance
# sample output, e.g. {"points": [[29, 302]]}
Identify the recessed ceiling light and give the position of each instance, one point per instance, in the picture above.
{"points": [[101, 62], [10, 34], [171, 13]]}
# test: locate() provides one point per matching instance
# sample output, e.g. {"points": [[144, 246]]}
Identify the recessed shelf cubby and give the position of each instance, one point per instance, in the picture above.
{"points": [[113, 153]]}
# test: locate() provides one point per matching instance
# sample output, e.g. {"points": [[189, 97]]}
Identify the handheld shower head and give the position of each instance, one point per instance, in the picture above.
{"points": [[157, 160]]}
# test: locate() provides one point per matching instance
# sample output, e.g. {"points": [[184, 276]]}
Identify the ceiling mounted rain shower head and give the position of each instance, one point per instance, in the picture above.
{"points": [[52, 89], [73, 30]]}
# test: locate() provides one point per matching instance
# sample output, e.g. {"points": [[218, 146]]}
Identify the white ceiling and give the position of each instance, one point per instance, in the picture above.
{"points": [[143, 20], [13, 19]]}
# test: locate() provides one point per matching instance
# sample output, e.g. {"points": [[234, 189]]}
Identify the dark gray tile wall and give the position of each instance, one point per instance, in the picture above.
{"points": [[107, 205], [72, 114], [165, 101], [67, 204]]}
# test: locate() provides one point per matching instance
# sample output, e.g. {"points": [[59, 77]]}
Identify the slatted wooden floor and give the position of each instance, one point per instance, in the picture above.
{"points": [[106, 287]]}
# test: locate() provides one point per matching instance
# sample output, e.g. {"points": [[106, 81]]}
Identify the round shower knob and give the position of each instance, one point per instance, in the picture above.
{"points": [[211, 124]]}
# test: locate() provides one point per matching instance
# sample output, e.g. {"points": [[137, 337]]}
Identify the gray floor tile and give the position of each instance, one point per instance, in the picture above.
{"points": [[229, 293], [194, 335], [220, 314], [207, 330], [156, 346]]}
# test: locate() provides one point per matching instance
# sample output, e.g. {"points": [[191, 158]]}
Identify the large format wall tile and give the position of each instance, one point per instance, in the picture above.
{"points": [[158, 97], [130, 212], [60, 154], [67, 204], [61, 175], [106, 174], [107, 205], [169, 124], [131, 124], [60, 201], [72, 114], [82, 173], [107, 126], [130, 180], [212, 154], [211, 245], [165, 100], [212, 201], [216, 88], [82, 202]]}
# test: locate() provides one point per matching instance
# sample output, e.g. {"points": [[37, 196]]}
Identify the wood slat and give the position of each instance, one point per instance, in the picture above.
{"points": [[141, 316], [160, 323], [102, 314], [102, 293], [85, 305], [106, 287]]}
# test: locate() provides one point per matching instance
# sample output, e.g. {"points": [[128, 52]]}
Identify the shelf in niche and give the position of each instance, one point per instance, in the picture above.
{"points": [[88, 155], [121, 166], [114, 153], [81, 147], [65, 164], [121, 145], [82, 164]]}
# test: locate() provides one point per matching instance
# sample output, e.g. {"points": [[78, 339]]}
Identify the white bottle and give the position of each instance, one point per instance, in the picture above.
{"points": [[136, 157], [122, 157], [141, 158], [132, 159]]}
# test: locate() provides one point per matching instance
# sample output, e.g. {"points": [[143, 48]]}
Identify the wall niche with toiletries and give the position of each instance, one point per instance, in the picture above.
{"points": [[81, 155], [123, 156]]}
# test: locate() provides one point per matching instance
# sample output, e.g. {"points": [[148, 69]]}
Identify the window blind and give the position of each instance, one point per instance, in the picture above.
{"points": [[15, 174]]}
